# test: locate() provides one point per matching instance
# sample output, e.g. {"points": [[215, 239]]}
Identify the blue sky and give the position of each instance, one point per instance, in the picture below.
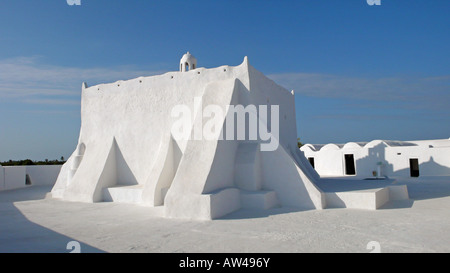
{"points": [[360, 72]]}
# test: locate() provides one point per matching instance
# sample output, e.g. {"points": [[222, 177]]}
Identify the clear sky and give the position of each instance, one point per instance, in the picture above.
{"points": [[360, 72]]}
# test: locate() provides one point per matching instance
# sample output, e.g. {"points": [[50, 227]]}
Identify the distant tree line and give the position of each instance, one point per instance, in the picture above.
{"points": [[29, 162]]}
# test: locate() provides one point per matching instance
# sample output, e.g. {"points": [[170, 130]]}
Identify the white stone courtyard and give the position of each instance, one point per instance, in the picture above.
{"points": [[31, 223]]}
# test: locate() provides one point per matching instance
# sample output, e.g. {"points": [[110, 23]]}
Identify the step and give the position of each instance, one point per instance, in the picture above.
{"points": [[258, 199], [222, 202], [371, 199], [123, 194]]}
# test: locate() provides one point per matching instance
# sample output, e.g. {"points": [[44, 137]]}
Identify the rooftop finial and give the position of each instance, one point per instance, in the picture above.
{"points": [[188, 62]]}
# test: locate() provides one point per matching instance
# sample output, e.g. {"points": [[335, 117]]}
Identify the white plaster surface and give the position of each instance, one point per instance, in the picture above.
{"points": [[29, 223], [370, 199], [43, 175], [259, 200], [124, 194], [394, 155], [126, 139], [398, 192], [14, 177], [2, 178], [363, 199]]}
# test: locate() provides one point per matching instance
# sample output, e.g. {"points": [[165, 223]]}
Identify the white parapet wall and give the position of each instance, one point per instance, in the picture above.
{"points": [[2, 178], [16, 177], [43, 175], [381, 158]]}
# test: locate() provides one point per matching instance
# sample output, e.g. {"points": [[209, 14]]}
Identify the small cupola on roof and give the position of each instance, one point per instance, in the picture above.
{"points": [[188, 62]]}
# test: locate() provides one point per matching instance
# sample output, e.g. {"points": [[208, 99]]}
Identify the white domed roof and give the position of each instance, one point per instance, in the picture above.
{"points": [[188, 62], [188, 58]]}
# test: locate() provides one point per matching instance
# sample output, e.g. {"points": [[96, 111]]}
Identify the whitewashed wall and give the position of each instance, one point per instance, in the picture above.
{"points": [[2, 178], [14, 177], [433, 157], [43, 175]]}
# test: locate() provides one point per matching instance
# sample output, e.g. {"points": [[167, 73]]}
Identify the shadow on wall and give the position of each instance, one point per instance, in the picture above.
{"points": [[426, 180], [20, 235], [433, 166], [367, 165], [428, 168]]}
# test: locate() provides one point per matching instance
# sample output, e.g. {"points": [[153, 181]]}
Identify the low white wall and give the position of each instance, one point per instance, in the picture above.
{"points": [[2, 178], [433, 161], [43, 175], [439, 162], [367, 199], [14, 177]]}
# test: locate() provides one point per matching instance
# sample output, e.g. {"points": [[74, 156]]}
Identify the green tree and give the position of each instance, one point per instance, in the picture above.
{"points": [[299, 144]]}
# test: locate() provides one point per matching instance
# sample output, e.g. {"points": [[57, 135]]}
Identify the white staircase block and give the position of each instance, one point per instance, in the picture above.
{"points": [[123, 194], [258, 199]]}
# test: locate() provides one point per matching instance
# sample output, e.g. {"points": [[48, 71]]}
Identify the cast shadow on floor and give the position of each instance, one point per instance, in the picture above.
{"points": [[20, 235]]}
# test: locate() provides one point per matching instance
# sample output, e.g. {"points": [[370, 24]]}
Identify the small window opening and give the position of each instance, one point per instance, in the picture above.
{"points": [[311, 161], [414, 167]]}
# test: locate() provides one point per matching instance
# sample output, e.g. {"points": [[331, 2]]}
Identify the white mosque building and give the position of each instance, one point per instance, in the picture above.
{"points": [[202, 143], [128, 150]]}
